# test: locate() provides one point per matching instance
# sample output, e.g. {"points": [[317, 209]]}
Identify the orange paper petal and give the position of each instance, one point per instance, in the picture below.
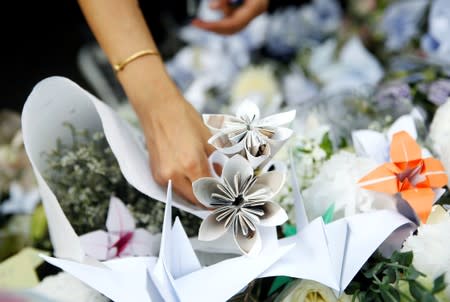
{"points": [[404, 148], [434, 172], [421, 200], [382, 179]]}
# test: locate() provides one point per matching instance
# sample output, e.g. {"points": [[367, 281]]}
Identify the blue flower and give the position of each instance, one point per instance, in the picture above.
{"points": [[294, 28], [436, 43], [400, 22]]}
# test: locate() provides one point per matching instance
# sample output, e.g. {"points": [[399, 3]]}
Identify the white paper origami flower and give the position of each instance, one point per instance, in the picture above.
{"points": [[246, 134], [241, 201], [122, 238]]}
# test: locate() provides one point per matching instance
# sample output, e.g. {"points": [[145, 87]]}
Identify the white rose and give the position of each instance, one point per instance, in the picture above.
{"points": [[439, 135], [337, 182], [431, 247], [259, 84], [309, 291]]}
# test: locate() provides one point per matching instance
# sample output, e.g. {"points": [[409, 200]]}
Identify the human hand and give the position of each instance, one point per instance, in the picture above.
{"points": [[178, 146], [235, 18]]}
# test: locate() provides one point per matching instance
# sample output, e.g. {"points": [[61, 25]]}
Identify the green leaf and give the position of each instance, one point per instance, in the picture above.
{"points": [[279, 282], [439, 284], [289, 230], [327, 145], [329, 214]]}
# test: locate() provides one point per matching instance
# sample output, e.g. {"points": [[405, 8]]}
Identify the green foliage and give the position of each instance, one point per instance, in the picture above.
{"points": [[84, 174], [380, 278], [327, 145]]}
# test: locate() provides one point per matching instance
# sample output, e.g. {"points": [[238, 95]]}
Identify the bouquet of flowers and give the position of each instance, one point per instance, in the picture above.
{"points": [[327, 234]]}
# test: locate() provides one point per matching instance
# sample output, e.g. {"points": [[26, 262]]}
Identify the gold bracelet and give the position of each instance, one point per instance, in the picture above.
{"points": [[119, 66]]}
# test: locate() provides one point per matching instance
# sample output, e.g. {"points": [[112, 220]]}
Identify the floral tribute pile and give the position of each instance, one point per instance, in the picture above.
{"points": [[331, 126]]}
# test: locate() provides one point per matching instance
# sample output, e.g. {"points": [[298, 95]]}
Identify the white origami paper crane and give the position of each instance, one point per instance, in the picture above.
{"points": [[241, 201], [176, 275], [246, 134], [121, 239], [332, 254]]}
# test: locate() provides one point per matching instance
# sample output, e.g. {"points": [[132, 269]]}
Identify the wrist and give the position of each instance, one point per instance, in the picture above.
{"points": [[147, 83]]}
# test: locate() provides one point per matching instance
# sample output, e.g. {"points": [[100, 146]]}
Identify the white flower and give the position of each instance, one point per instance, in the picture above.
{"points": [[65, 288], [241, 201], [196, 70], [259, 84], [309, 291], [238, 46], [20, 201], [439, 134], [246, 134], [431, 248], [355, 67], [337, 183]]}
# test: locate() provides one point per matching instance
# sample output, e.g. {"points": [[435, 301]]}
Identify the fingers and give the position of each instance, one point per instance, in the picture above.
{"points": [[234, 21], [221, 5]]}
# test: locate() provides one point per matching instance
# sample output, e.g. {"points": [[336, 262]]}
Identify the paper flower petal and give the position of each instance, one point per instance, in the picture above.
{"points": [[421, 200], [371, 144], [236, 165], [211, 229], [222, 142], [248, 109], [215, 122], [404, 149], [144, 244], [435, 173], [203, 189], [119, 217], [273, 215], [278, 119], [250, 245], [403, 123], [382, 179], [95, 244], [273, 180]]}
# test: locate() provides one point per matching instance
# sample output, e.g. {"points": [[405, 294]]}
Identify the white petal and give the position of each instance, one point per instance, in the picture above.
{"points": [[403, 123], [236, 164], [211, 229], [248, 109], [274, 180], [144, 243], [273, 215], [222, 143], [215, 122], [278, 119], [371, 144], [281, 134], [95, 244], [119, 217], [250, 246], [203, 189]]}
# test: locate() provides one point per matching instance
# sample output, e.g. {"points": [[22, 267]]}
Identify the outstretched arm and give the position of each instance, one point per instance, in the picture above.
{"points": [[175, 135]]}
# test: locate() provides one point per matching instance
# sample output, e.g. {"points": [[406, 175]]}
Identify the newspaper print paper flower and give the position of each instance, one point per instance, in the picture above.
{"points": [[241, 201], [246, 134]]}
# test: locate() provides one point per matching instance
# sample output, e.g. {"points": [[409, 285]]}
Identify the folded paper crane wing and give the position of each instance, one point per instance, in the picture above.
{"points": [[332, 254], [178, 276], [417, 179]]}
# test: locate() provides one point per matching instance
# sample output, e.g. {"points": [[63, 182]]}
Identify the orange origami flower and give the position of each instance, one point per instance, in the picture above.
{"points": [[409, 174]]}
